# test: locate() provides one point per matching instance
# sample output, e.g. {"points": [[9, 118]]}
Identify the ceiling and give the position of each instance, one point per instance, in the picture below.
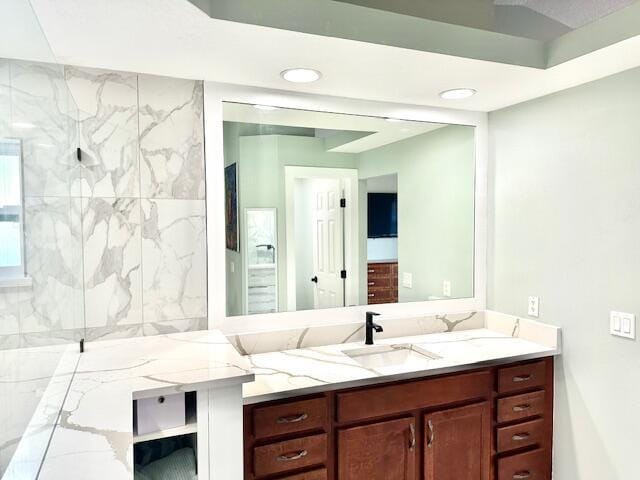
{"points": [[572, 13], [377, 131], [173, 37]]}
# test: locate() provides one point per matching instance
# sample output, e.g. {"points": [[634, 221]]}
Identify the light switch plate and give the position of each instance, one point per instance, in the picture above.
{"points": [[407, 280], [446, 288], [533, 307], [622, 324]]}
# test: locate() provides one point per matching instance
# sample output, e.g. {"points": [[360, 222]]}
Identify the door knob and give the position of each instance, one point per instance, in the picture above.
{"points": [[315, 279]]}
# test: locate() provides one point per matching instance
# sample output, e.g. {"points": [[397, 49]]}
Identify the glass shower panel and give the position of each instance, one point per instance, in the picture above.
{"points": [[41, 244]]}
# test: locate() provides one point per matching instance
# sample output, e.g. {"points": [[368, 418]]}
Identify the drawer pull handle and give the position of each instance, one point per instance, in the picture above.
{"points": [[522, 475], [431, 434], [521, 408], [289, 457], [521, 378], [371, 294], [293, 418], [412, 437], [371, 271], [371, 283], [519, 437]]}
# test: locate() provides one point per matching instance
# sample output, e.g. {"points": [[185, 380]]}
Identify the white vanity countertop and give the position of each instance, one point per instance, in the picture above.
{"points": [[308, 370], [93, 437]]}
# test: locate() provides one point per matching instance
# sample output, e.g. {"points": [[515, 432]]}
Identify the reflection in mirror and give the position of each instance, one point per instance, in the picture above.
{"points": [[261, 260], [344, 210]]}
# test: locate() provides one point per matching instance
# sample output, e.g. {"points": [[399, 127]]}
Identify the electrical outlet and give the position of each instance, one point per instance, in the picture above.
{"points": [[534, 307], [446, 288], [407, 280], [622, 324]]}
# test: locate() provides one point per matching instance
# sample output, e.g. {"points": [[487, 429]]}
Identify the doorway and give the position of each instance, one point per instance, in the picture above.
{"points": [[320, 211]]}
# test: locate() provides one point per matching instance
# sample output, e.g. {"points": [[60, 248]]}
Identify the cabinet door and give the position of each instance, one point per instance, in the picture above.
{"points": [[381, 451], [457, 443]]}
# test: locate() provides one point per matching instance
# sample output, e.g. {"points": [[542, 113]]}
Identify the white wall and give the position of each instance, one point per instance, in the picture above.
{"points": [[564, 225], [303, 195]]}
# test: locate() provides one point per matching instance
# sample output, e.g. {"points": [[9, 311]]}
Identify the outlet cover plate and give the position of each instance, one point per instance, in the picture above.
{"points": [[533, 309]]}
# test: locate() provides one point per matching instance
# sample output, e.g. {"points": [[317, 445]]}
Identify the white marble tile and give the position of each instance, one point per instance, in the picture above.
{"points": [[277, 340], [53, 252], [108, 112], [173, 260], [14, 302], [175, 326], [112, 262], [44, 117], [533, 330], [171, 137]]}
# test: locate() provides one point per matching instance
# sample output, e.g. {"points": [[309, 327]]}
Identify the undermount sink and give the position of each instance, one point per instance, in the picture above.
{"points": [[389, 355]]}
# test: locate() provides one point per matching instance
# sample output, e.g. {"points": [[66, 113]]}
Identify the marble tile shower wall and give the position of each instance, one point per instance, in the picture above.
{"points": [[115, 244]]}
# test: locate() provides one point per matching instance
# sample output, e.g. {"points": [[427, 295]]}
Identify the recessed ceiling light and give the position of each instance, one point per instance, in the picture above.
{"points": [[301, 75], [265, 107], [457, 93], [23, 125]]}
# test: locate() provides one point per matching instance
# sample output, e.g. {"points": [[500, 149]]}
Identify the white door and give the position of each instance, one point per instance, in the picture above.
{"points": [[327, 244]]}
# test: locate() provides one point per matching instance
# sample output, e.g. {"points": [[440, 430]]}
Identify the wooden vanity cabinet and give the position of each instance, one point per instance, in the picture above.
{"points": [[487, 424], [457, 443], [378, 451]]}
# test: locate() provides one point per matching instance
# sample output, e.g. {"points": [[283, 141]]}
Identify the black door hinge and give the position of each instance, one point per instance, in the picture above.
{"points": [[79, 154], [343, 202], [343, 274]]}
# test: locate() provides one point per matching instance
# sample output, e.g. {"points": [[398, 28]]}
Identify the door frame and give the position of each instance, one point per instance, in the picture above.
{"points": [[245, 243], [351, 225]]}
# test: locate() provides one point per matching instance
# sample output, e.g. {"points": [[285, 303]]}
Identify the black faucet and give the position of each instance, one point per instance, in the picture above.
{"points": [[370, 327]]}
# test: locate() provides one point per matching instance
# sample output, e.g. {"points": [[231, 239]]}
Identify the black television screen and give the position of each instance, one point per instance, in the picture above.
{"points": [[382, 215]]}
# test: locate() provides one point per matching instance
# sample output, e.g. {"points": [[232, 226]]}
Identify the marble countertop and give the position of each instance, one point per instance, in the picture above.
{"points": [[93, 436], [301, 371]]}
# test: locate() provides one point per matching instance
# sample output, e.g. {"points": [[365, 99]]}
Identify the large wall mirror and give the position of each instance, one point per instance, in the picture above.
{"points": [[330, 210]]}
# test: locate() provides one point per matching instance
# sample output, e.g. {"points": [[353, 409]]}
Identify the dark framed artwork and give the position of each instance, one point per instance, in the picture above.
{"points": [[231, 206]]}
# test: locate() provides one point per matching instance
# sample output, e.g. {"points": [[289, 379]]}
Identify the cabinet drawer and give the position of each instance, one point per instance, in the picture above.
{"points": [[313, 475], [520, 406], [289, 418], [391, 399], [521, 377], [289, 455], [374, 269], [384, 294], [534, 465], [520, 435], [379, 282]]}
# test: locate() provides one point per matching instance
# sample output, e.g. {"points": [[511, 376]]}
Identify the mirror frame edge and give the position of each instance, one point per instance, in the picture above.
{"points": [[215, 94]]}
